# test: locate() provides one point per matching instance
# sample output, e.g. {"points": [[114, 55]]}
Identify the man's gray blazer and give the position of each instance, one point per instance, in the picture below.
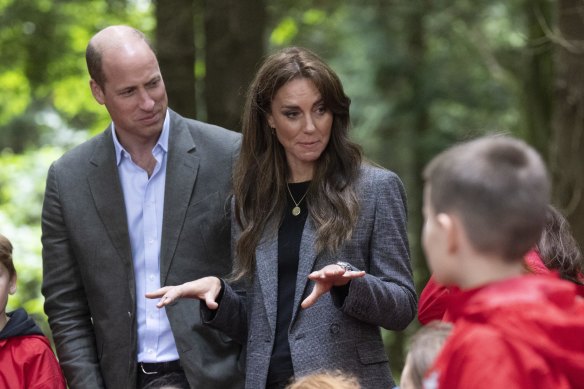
{"points": [[89, 283], [334, 333]]}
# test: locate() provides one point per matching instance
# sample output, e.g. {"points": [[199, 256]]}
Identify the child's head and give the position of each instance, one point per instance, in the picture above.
{"points": [[424, 348], [558, 249], [325, 380], [496, 187], [7, 273]]}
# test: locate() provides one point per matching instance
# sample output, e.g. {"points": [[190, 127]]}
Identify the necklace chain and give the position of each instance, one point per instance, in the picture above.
{"points": [[296, 210]]}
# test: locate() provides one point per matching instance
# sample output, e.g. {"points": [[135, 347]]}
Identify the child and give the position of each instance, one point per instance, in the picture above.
{"points": [[559, 250], [424, 348], [556, 252], [485, 203], [26, 358], [325, 380]]}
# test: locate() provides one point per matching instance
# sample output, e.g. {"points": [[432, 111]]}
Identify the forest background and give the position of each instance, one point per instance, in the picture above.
{"points": [[422, 74]]}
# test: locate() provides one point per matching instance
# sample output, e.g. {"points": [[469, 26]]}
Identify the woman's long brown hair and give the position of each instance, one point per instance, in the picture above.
{"points": [[261, 172]]}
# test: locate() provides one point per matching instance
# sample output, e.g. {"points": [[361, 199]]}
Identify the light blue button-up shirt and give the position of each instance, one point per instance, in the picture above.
{"points": [[144, 199]]}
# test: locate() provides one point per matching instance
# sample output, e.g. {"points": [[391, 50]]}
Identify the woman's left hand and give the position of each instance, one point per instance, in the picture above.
{"points": [[327, 277]]}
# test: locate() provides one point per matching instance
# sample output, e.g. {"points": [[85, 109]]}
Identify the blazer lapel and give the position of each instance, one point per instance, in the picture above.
{"points": [[181, 173], [307, 257], [104, 184], [267, 273]]}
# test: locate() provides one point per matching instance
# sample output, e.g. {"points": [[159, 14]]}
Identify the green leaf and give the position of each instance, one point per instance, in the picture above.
{"points": [[284, 32]]}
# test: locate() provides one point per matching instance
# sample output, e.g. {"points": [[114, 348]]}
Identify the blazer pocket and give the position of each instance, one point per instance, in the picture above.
{"points": [[371, 352], [209, 215], [212, 197]]}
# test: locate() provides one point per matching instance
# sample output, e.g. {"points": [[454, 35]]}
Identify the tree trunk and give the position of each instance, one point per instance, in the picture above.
{"points": [[234, 45], [175, 43], [536, 76], [567, 157], [416, 121]]}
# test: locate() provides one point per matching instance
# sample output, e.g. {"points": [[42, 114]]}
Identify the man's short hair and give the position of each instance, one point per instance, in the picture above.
{"points": [[93, 57], [498, 186]]}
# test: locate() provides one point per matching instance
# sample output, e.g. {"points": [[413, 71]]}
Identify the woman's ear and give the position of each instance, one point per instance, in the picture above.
{"points": [[270, 120]]}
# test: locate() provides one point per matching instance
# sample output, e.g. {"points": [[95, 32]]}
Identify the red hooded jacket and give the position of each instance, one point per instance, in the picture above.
{"points": [[524, 332], [26, 358], [434, 299]]}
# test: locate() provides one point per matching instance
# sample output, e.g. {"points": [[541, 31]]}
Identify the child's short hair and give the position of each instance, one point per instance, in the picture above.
{"points": [[6, 255], [498, 186], [424, 347]]}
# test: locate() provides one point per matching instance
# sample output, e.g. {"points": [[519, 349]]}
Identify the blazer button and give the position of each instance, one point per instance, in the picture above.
{"points": [[335, 328]]}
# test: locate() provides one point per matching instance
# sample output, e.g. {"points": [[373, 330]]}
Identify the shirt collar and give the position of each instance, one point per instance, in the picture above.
{"points": [[162, 140]]}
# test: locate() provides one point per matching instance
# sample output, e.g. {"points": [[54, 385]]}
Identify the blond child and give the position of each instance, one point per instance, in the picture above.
{"points": [[325, 380], [424, 347]]}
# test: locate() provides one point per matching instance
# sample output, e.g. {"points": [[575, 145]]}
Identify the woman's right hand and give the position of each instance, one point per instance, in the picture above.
{"points": [[206, 288]]}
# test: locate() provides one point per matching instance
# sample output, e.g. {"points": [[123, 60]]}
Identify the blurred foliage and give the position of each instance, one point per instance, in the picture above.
{"points": [[421, 75], [45, 108], [22, 179]]}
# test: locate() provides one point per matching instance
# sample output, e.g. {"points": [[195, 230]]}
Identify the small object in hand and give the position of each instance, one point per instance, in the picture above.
{"points": [[345, 265]]}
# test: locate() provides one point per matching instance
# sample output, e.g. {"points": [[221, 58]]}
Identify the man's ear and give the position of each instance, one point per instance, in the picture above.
{"points": [[96, 91], [451, 231]]}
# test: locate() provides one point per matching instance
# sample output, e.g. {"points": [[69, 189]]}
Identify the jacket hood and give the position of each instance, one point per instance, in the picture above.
{"points": [[19, 324], [538, 312]]}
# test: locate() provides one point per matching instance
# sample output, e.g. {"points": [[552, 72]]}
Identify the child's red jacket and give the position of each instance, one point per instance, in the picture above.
{"points": [[524, 332], [26, 357]]}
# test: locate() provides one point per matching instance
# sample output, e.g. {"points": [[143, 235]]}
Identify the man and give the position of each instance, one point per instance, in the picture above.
{"points": [[137, 207]]}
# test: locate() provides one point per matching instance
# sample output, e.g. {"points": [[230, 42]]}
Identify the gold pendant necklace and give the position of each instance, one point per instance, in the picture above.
{"points": [[296, 210]]}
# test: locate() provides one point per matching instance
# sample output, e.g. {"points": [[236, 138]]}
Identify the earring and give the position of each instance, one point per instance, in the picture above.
{"points": [[273, 130]]}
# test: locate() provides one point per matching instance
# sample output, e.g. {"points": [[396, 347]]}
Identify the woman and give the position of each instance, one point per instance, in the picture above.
{"points": [[305, 201]]}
